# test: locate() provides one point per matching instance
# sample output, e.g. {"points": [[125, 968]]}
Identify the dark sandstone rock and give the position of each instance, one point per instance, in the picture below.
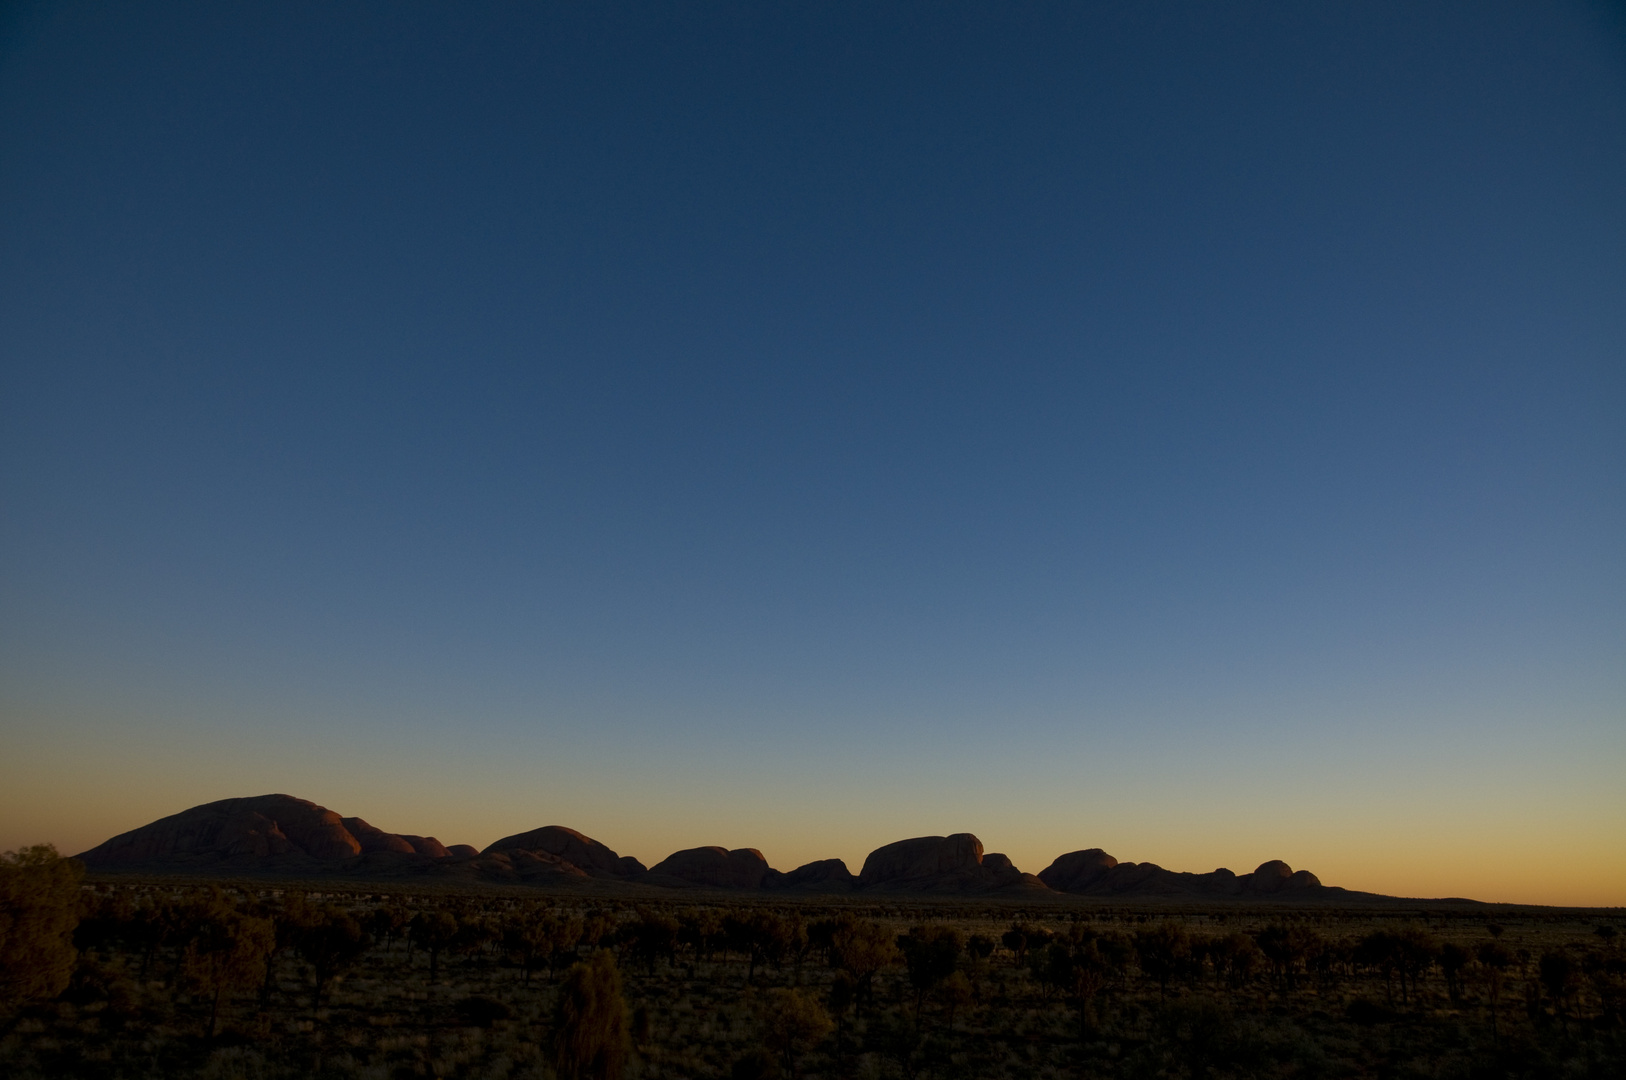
{"points": [[519, 865], [716, 867], [572, 847], [824, 875], [948, 864], [1270, 876], [1076, 871], [374, 839], [275, 829], [921, 859]]}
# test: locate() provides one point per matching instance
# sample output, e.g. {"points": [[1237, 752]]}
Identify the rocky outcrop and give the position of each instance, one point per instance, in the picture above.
{"points": [[715, 867], [920, 859], [281, 836], [568, 845], [1077, 870], [1095, 873], [824, 875], [940, 864], [266, 831], [1275, 878]]}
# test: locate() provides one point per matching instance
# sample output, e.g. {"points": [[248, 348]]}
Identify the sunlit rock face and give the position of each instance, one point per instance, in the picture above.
{"points": [[572, 847], [716, 867]]}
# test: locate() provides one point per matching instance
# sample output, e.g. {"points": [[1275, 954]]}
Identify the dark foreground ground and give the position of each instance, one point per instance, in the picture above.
{"points": [[383, 986]]}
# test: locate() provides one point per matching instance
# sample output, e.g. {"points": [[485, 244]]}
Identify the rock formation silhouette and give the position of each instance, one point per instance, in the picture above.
{"points": [[716, 867], [279, 835], [940, 864], [1093, 872], [267, 831]]}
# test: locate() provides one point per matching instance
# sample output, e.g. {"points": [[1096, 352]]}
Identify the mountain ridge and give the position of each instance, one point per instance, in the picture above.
{"points": [[280, 835]]}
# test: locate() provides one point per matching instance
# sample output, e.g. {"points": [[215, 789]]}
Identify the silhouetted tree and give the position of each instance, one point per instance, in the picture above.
{"points": [[1078, 971], [385, 923], [956, 993], [329, 943], [434, 932], [652, 936], [842, 996], [1285, 947], [1237, 956], [1380, 950], [1495, 959], [1416, 950], [1557, 973], [1453, 958], [1162, 949], [931, 954]]}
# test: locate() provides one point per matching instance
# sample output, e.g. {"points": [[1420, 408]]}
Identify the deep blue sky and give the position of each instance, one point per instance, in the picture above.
{"points": [[807, 425]]}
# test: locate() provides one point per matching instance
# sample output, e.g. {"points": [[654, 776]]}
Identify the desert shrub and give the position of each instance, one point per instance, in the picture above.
{"points": [[592, 1040], [478, 1010], [755, 1064], [39, 909], [792, 1023]]}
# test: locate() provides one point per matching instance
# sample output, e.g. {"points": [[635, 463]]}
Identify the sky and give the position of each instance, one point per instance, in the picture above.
{"points": [[1194, 431]]}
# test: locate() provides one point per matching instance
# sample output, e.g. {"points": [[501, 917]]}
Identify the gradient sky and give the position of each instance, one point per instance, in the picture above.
{"points": [[1194, 431]]}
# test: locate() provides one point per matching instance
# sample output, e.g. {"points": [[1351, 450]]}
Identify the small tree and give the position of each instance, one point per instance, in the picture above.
{"points": [[1453, 958], [932, 954], [39, 908], [1079, 972], [1557, 973], [863, 947], [591, 1039], [956, 993], [434, 931], [1495, 959], [792, 1023], [331, 942], [843, 994], [228, 952], [1162, 950]]}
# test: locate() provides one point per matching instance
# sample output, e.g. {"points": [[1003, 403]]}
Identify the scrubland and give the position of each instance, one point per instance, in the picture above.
{"points": [[257, 981]]}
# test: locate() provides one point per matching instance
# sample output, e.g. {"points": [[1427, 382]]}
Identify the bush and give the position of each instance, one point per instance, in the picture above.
{"points": [[39, 909], [592, 1041]]}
